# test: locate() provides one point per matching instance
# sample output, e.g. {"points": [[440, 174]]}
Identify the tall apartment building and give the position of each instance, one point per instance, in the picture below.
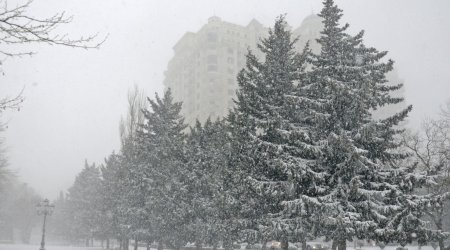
{"points": [[202, 73]]}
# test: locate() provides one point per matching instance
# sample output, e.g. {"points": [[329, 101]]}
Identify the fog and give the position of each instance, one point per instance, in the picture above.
{"points": [[74, 98]]}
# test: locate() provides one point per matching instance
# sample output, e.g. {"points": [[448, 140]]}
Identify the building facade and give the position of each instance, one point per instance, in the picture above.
{"points": [[202, 73]]}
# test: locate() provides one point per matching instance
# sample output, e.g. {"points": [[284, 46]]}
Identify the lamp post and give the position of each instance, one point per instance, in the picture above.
{"points": [[44, 208]]}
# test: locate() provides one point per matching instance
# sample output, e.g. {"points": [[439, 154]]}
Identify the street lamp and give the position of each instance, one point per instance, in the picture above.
{"points": [[44, 208]]}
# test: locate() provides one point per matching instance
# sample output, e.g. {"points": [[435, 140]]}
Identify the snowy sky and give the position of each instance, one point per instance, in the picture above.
{"points": [[74, 98]]}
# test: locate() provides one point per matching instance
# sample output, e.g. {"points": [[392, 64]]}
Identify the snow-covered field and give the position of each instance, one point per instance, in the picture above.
{"points": [[36, 247], [50, 247]]}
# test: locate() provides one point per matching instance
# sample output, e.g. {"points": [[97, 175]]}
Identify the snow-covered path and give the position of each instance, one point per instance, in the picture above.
{"points": [[36, 247], [50, 247]]}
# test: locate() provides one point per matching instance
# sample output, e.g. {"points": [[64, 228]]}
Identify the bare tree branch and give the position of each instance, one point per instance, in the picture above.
{"points": [[431, 149], [11, 102], [17, 27]]}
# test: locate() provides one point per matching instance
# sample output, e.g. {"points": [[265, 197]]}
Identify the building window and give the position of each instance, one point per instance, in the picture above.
{"points": [[212, 68], [211, 37], [212, 59], [230, 71], [230, 60], [230, 51]]}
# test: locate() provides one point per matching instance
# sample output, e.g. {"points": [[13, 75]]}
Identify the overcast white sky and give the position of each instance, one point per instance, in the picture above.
{"points": [[74, 98]]}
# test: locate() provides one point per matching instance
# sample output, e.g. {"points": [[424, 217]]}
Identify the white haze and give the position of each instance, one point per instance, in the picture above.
{"points": [[74, 98]]}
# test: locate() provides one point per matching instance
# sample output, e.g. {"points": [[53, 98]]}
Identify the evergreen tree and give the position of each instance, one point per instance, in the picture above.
{"points": [[135, 192], [162, 167], [265, 139], [59, 223], [208, 148], [364, 192], [114, 194], [84, 204]]}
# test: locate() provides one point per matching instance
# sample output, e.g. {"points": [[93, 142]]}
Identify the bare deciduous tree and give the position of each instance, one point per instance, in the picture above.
{"points": [[11, 102], [19, 27], [431, 149], [128, 126], [4, 172]]}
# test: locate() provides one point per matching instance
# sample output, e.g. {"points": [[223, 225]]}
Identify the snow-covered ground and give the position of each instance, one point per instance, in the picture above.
{"points": [[36, 247], [50, 247]]}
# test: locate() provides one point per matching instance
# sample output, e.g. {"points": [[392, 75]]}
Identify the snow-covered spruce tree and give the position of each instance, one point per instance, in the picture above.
{"points": [[365, 193], [59, 223], [83, 203], [162, 151], [135, 186], [207, 148], [269, 141], [114, 200]]}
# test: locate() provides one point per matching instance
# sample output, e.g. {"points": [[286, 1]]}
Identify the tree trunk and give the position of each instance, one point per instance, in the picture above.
{"points": [[304, 246], [92, 242], [136, 244], [160, 245], [228, 244], [107, 243], [441, 244], [439, 227], [264, 245], [334, 245], [126, 244], [284, 244], [342, 245], [148, 245], [198, 245], [87, 242]]}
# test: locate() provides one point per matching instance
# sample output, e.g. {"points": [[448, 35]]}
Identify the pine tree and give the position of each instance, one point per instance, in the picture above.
{"points": [[114, 199], [59, 223], [265, 139], [364, 192], [84, 204], [208, 149], [162, 165], [135, 189]]}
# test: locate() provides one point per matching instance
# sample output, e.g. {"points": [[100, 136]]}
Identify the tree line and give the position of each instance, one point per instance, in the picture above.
{"points": [[300, 156]]}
